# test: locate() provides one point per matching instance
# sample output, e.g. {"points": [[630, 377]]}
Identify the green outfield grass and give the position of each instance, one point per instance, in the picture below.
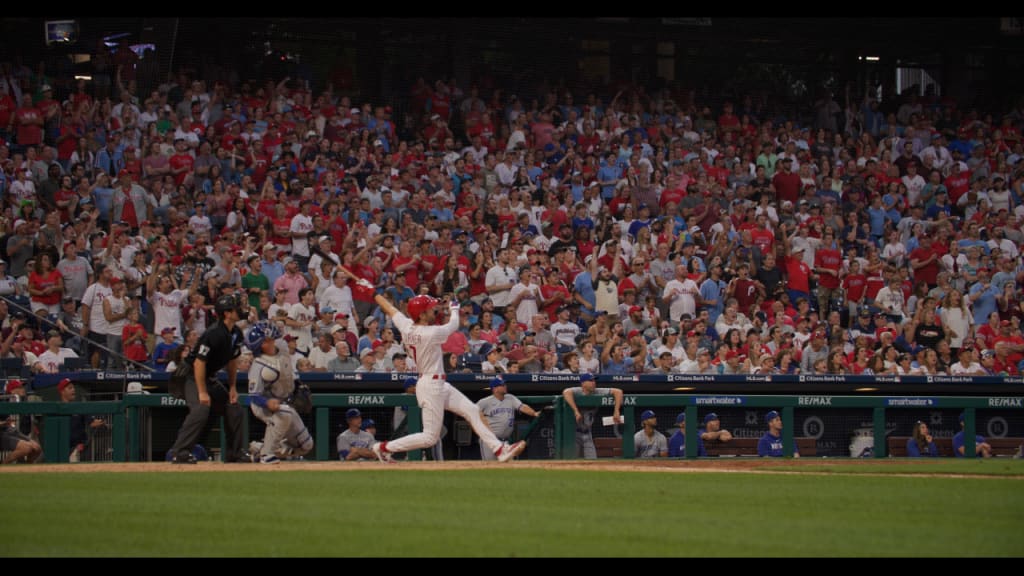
{"points": [[508, 512], [985, 467]]}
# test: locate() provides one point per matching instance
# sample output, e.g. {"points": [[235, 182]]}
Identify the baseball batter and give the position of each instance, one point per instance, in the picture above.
{"points": [[271, 385], [355, 442], [499, 411], [585, 417], [422, 340]]}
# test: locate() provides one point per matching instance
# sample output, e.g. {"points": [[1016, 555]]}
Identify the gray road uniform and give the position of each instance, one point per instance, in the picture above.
{"points": [[349, 439], [500, 416], [273, 377], [652, 447], [584, 434]]}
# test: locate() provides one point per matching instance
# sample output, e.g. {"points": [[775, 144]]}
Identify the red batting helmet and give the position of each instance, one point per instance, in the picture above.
{"points": [[420, 304]]}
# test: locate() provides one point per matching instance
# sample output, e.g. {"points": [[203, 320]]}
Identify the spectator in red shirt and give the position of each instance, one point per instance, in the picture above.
{"points": [[828, 264], [1009, 336], [786, 182], [28, 123], [924, 260], [798, 273]]}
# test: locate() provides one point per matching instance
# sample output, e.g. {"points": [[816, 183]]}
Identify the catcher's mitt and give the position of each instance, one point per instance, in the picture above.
{"points": [[302, 398]]}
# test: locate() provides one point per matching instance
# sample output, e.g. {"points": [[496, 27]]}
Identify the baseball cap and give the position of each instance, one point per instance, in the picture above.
{"points": [[485, 349], [988, 353], [495, 382], [353, 413], [12, 386], [135, 388], [681, 418], [647, 414], [633, 332], [961, 418], [369, 423], [366, 352], [586, 376], [635, 309], [269, 246], [711, 416], [771, 416], [168, 330], [409, 382], [64, 384]]}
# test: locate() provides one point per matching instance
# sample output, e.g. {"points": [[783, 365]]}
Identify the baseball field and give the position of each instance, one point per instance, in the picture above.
{"points": [[729, 507]]}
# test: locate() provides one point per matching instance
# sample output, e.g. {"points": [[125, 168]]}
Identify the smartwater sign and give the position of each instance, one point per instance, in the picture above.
{"points": [[911, 402], [719, 400]]}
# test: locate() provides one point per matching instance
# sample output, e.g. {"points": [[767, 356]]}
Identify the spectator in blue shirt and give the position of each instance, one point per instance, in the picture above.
{"points": [[608, 176], [920, 443], [711, 293], [982, 296]]}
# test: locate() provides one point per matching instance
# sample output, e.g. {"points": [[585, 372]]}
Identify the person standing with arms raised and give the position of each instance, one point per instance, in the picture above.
{"points": [[423, 340]]}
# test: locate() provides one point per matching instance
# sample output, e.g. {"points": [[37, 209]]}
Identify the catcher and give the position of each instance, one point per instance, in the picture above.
{"points": [[273, 395]]}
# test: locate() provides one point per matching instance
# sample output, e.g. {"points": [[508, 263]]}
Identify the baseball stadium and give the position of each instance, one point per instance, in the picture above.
{"points": [[638, 287]]}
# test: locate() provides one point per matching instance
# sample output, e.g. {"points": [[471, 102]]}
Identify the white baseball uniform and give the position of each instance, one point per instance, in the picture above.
{"points": [[433, 393]]}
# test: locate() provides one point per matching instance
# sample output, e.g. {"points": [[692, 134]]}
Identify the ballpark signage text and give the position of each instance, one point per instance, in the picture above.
{"points": [[366, 400], [718, 400], [815, 401], [910, 402], [1005, 402]]}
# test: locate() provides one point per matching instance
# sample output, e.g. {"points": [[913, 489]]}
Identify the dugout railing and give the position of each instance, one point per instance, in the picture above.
{"points": [[131, 443]]}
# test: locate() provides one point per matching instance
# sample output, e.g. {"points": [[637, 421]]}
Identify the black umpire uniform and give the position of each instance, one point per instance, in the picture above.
{"points": [[218, 347]]}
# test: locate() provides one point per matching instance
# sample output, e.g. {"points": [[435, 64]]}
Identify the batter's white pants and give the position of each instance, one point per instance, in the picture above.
{"points": [[434, 396]]}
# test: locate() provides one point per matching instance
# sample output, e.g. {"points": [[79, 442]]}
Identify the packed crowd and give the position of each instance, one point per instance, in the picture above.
{"points": [[645, 234]]}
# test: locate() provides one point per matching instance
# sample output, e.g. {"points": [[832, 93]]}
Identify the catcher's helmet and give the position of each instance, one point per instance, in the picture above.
{"points": [[420, 304], [228, 302], [260, 332]]}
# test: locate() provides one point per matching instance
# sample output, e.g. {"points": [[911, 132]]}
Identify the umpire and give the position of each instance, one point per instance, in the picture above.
{"points": [[218, 347]]}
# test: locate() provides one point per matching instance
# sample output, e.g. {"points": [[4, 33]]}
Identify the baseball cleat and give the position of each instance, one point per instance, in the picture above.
{"points": [[184, 458], [510, 451], [270, 459], [378, 451]]}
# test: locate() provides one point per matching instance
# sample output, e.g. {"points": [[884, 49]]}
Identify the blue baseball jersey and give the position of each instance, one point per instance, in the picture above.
{"points": [[677, 445], [770, 445], [958, 443]]}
